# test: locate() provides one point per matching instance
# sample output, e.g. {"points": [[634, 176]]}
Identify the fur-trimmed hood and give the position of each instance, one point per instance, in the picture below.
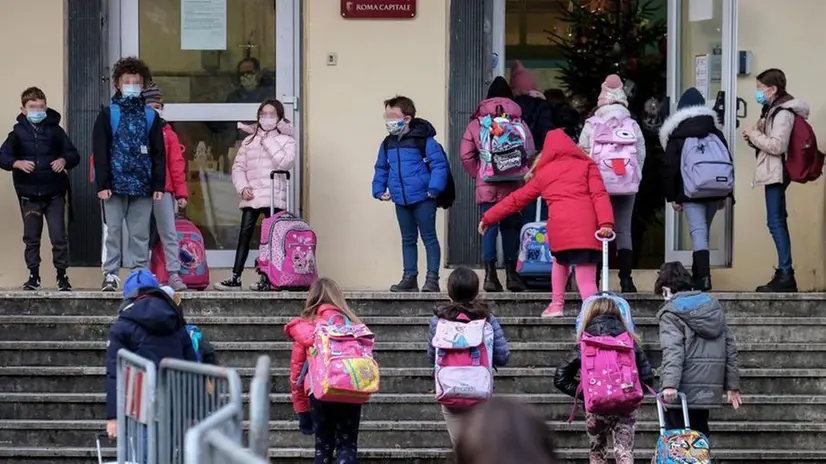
{"points": [[701, 126]]}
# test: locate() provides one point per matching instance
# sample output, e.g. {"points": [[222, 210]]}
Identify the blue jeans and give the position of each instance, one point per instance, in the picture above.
{"points": [[699, 217], [776, 215], [419, 218], [510, 227]]}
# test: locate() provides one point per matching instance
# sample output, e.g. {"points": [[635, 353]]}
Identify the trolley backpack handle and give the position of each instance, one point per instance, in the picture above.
{"points": [[606, 287], [661, 410], [272, 189]]}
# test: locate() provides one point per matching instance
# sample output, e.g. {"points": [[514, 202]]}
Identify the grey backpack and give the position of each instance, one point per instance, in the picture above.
{"points": [[707, 168]]}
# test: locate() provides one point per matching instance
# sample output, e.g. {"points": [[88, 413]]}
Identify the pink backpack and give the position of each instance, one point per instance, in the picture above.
{"points": [[287, 252], [609, 379], [614, 149], [191, 253], [341, 364], [464, 362]]}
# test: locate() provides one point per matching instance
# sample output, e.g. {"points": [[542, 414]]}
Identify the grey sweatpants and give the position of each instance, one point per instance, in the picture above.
{"points": [[137, 212], [164, 212], [623, 207], [454, 420]]}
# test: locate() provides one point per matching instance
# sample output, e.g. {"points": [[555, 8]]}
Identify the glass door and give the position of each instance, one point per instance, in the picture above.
{"points": [[702, 53], [215, 61]]}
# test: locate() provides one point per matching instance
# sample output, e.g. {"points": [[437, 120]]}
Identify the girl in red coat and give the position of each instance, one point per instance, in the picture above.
{"points": [[579, 210], [336, 425]]}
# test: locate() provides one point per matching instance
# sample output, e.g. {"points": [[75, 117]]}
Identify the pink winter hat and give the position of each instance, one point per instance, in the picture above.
{"points": [[522, 80], [612, 92]]}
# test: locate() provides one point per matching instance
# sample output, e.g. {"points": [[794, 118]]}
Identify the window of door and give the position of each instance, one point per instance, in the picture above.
{"points": [[702, 53], [215, 62]]}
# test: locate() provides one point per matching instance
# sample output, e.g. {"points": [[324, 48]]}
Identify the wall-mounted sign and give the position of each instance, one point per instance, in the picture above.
{"points": [[378, 9]]}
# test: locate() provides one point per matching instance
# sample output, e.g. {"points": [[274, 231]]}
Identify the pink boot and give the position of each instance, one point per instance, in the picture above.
{"points": [[554, 309], [559, 280]]}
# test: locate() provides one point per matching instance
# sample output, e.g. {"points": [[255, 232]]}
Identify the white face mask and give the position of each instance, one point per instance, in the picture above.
{"points": [[667, 295], [160, 112], [268, 123]]}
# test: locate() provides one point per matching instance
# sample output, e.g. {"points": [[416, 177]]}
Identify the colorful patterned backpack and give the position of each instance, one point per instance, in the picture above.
{"points": [[191, 254], [610, 381], [502, 152], [464, 362], [341, 364], [287, 252], [680, 446], [614, 149]]}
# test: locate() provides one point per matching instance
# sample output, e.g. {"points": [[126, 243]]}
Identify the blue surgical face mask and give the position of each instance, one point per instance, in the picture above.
{"points": [[395, 126], [760, 96], [131, 90], [35, 117]]}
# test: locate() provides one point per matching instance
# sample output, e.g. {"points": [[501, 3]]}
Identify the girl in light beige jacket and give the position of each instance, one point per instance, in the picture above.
{"points": [[770, 137]]}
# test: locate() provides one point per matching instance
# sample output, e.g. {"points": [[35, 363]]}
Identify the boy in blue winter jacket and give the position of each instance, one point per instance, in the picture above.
{"points": [[130, 167], [412, 170], [150, 325]]}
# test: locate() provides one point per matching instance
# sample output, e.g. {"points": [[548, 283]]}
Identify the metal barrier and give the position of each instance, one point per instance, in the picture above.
{"points": [[208, 442], [189, 393], [259, 434], [137, 429]]}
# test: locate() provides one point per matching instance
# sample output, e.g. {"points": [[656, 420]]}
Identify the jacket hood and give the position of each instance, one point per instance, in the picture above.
{"points": [[698, 311], [606, 325], [420, 128], [491, 106], [691, 121], [155, 312], [558, 145], [614, 110], [303, 330], [285, 127], [52, 118], [797, 105]]}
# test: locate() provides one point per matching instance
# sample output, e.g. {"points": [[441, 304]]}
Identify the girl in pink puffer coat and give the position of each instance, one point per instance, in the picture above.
{"points": [[269, 147]]}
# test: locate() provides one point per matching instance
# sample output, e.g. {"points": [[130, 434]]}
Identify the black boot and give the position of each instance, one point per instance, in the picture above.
{"points": [[33, 282], [513, 281], [409, 283], [431, 283], [625, 260], [701, 271], [599, 276], [492, 283], [782, 282]]}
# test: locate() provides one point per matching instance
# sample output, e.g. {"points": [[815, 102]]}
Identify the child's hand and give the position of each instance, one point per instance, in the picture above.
{"points": [[157, 196], [246, 193], [482, 228], [112, 428], [25, 166], [182, 203], [677, 207], [105, 194], [58, 165], [385, 196], [669, 395], [734, 399], [605, 232]]}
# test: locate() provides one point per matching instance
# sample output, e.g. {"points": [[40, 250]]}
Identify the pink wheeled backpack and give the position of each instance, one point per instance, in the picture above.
{"points": [[287, 255]]}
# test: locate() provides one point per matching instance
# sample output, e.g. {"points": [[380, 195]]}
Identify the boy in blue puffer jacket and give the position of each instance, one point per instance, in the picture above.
{"points": [[150, 325], [412, 170]]}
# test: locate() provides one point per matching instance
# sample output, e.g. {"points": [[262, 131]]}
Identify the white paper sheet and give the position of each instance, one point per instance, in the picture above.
{"points": [[701, 81], [700, 10], [203, 24]]}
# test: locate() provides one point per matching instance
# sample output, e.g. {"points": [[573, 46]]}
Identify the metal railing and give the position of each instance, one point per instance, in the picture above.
{"points": [[189, 393], [137, 429], [209, 442], [259, 433]]}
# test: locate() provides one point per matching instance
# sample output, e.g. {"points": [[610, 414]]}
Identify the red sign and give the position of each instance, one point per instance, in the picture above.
{"points": [[378, 9]]}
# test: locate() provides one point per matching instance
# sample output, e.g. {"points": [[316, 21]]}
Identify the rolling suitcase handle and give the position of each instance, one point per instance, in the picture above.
{"points": [[606, 287], [661, 412], [272, 190], [538, 210]]}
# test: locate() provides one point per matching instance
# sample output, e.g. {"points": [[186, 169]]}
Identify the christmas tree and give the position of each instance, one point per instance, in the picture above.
{"points": [[611, 37]]}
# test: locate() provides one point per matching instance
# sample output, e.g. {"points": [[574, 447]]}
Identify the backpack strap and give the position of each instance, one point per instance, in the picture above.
{"points": [[114, 117], [421, 145]]}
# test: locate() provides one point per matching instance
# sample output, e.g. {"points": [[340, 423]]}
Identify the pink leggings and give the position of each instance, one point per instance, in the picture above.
{"points": [[586, 281]]}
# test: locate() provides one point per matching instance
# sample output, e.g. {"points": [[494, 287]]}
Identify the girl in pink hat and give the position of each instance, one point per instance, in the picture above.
{"points": [[612, 130]]}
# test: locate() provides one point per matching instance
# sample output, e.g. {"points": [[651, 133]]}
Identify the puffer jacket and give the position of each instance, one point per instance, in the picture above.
{"points": [[692, 121], [41, 144], [566, 377], [410, 176], [501, 350], [471, 144], [607, 112], [538, 114], [301, 331], [772, 141], [699, 351], [259, 155], [175, 164], [150, 326]]}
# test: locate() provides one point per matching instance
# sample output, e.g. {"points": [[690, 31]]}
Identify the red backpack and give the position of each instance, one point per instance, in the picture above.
{"points": [[804, 162]]}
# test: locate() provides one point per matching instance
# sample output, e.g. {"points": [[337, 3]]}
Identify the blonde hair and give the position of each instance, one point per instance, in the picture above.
{"points": [[603, 306], [326, 291]]}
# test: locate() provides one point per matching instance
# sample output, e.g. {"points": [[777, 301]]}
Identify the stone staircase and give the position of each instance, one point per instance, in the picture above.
{"points": [[52, 375]]}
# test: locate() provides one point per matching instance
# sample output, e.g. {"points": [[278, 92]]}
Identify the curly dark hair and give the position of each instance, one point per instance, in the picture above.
{"points": [[674, 276], [131, 65]]}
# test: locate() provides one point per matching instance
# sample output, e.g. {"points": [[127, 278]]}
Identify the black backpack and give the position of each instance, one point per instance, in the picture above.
{"points": [[448, 196]]}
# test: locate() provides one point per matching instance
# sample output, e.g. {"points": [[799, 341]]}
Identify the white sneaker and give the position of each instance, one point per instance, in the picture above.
{"points": [[176, 283], [111, 283]]}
